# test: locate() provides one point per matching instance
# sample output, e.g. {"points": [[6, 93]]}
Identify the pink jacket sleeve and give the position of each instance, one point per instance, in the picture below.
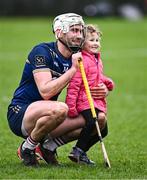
{"points": [[72, 93], [108, 82]]}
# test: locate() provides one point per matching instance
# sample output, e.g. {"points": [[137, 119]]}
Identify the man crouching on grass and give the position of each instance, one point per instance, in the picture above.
{"points": [[34, 111]]}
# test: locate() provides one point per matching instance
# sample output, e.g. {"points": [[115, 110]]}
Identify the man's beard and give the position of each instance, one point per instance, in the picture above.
{"points": [[73, 47]]}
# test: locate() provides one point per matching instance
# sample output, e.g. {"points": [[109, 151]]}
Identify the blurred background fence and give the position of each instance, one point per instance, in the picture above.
{"points": [[126, 8]]}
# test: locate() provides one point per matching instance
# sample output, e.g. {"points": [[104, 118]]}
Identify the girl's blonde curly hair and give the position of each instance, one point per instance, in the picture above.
{"points": [[90, 28]]}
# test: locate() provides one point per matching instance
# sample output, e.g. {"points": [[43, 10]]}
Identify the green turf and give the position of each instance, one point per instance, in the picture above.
{"points": [[124, 53]]}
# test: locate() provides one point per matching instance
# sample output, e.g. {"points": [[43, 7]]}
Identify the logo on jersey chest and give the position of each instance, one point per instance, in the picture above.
{"points": [[64, 66]]}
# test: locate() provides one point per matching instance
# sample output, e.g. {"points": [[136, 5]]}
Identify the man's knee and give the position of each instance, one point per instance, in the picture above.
{"points": [[60, 112], [56, 114]]}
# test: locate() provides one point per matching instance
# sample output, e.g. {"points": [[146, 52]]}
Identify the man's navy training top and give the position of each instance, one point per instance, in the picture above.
{"points": [[43, 57]]}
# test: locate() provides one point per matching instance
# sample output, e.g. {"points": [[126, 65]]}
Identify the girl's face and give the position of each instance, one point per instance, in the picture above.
{"points": [[92, 43]]}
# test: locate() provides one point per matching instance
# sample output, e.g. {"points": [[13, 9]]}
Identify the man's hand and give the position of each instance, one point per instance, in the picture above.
{"points": [[99, 92], [75, 58]]}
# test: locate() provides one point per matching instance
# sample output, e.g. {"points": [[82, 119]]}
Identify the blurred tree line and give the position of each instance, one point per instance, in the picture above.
{"points": [[55, 7]]}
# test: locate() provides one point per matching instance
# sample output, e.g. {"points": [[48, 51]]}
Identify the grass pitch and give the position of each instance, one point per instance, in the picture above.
{"points": [[124, 53]]}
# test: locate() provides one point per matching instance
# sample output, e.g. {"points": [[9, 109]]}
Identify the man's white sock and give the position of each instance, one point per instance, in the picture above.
{"points": [[29, 143], [52, 144]]}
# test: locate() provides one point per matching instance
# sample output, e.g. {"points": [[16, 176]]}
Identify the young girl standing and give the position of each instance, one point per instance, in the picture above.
{"points": [[77, 100]]}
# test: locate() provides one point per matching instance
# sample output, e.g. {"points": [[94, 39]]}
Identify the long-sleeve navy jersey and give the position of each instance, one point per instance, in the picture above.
{"points": [[42, 57]]}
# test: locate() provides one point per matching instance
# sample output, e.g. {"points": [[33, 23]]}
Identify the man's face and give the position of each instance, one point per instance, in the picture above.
{"points": [[75, 36]]}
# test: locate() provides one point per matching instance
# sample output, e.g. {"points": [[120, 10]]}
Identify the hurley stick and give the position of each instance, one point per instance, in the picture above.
{"points": [[90, 100]]}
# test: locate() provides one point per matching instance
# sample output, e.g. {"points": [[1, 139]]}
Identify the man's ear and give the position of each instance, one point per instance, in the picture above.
{"points": [[58, 33]]}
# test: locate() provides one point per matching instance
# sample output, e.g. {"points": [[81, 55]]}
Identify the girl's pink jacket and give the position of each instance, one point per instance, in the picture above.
{"points": [[76, 98]]}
